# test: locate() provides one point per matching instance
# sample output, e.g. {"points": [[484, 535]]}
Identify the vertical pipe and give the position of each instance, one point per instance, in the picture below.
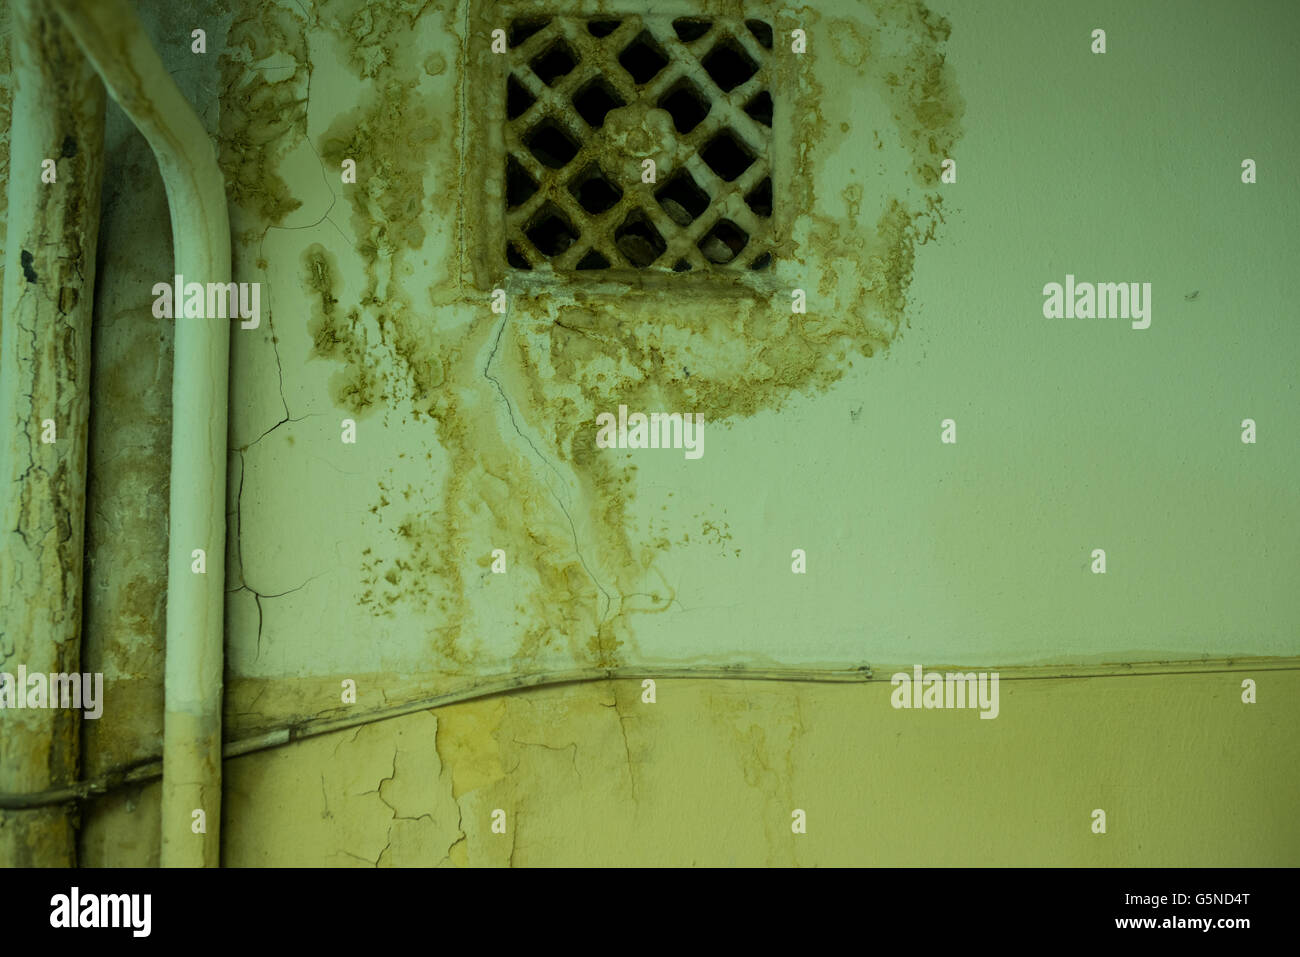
{"points": [[111, 36], [57, 132]]}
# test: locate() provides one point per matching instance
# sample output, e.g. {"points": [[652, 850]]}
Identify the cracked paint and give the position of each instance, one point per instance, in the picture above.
{"points": [[474, 428], [370, 562], [720, 765], [45, 374]]}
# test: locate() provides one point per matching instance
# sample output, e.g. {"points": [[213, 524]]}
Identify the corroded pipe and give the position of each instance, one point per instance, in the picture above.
{"points": [[56, 150]]}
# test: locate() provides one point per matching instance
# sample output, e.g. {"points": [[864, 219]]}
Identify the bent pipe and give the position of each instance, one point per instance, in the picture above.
{"points": [[111, 36]]}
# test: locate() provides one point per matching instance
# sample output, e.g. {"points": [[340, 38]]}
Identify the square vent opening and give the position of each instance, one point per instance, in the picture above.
{"points": [[588, 100]]}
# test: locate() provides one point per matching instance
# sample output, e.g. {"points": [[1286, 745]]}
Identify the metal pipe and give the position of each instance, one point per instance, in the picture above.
{"points": [[56, 151], [115, 42]]}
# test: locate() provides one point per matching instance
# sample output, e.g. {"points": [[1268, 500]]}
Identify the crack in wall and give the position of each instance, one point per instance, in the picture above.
{"points": [[577, 547], [238, 513]]}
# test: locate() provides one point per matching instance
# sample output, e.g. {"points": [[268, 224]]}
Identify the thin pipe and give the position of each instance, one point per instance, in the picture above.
{"points": [[150, 770]]}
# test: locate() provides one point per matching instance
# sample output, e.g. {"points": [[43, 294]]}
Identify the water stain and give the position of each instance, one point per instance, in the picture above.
{"points": [[263, 110], [510, 399]]}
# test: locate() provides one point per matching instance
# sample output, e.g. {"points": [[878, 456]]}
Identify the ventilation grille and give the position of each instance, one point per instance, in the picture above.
{"points": [[587, 100]]}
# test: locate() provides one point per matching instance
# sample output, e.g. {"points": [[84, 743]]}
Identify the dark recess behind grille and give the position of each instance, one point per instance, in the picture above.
{"points": [[565, 77]]}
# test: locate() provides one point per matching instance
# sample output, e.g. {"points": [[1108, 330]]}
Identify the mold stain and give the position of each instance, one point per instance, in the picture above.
{"points": [[263, 108], [510, 399]]}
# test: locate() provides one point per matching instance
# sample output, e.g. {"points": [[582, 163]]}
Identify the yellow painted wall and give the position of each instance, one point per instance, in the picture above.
{"points": [[1188, 776]]}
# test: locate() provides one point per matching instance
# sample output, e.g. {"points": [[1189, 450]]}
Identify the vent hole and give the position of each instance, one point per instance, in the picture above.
{"points": [[638, 240], [760, 108], [602, 28], [593, 260], [595, 100], [593, 191], [729, 65], [760, 198], [682, 199], [562, 206], [686, 104], [688, 30], [727, 156], [723, 242], [519, 185], [557, 61], [515, 258], [521, 30], [550, 232], [518, 99], [643, 58], [551, 145], [762, 31]]}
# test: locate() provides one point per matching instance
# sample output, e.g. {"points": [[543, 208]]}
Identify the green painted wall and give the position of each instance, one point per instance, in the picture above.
{"points": [[475, 431]]}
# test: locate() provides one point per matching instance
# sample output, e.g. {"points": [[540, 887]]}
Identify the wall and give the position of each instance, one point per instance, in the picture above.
{"points": [[371, 561], [1187, 774]]}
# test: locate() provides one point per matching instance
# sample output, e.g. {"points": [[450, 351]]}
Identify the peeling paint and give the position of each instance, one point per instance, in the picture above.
{"points": [[372, 563], [589, 776], [400, 309]]}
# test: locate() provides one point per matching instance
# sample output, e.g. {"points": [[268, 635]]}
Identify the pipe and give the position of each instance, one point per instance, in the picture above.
{"points": [[149, 770], [57, 130], [115, 42]]}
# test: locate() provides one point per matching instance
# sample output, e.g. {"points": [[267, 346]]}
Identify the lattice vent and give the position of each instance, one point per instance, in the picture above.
{"points": [[588, 99]]}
